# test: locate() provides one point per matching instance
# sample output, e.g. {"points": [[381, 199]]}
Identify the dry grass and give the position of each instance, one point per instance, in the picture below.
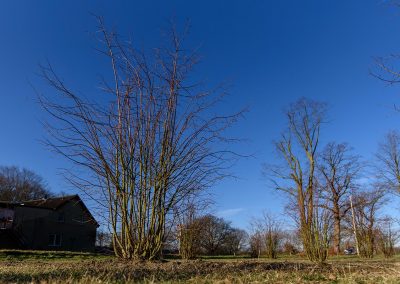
{"points": [[110, 270]]}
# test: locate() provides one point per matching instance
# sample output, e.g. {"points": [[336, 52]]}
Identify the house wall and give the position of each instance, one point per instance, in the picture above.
{"points": [[7, 240], [36, 225]]}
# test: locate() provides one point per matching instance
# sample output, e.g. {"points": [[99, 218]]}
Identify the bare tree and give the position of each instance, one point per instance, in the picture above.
{"points": [[272, 240], [387, 70], [208, 235], [289, 248], [338, 170], [297, 177], [291, 243], [257, 244], [103, 239], [270, 228], [18, 185], [365, 220], [388, 167], [387, 236], [214, 234], [236, 241], [149, 143], [188, 231]]}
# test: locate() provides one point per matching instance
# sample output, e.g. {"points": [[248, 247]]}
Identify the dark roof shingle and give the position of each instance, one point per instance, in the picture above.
{"points": [[50, 203]]}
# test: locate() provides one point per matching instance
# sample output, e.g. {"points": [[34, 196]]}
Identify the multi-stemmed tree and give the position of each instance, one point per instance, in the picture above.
{"points": [[296, 177], [147, 143]]}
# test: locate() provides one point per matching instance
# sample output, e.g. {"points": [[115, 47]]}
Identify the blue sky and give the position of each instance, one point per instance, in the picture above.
{"points": [[272, 52]]}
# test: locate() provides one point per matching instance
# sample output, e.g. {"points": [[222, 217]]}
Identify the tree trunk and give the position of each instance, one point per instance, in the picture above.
{"points": [[354, 226], [336, 230]]}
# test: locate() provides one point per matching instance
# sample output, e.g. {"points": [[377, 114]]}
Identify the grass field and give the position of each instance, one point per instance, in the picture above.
{"points": [[66, 267]]}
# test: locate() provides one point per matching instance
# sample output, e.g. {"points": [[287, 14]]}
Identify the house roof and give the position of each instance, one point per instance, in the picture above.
{"points": [[53, 203], [50, 203]]}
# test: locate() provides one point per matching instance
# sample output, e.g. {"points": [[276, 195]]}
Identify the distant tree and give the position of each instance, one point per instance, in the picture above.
{"points": [[289, 248], [338, 170], [387, 236], [257, 244], [188, 231], [291, 242], [273, 236], [103, 239], [214, 234], [206, 234], [236, 241], [18, 185], [366, 206], [269, 227]]}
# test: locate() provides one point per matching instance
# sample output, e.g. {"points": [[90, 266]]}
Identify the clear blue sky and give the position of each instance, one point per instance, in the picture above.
{"points": [[272, 51]]}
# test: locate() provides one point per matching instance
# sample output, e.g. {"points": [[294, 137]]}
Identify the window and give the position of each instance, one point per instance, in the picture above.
{"points": [[61, 218], [54, 240], [6, 218], [5, 223]]}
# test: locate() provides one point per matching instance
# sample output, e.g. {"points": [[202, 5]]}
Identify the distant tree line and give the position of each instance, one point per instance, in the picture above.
{"points": [[209, 235], [17, 185]]}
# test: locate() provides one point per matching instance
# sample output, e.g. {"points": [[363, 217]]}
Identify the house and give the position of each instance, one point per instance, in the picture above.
{"points": [[61, 223]]}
